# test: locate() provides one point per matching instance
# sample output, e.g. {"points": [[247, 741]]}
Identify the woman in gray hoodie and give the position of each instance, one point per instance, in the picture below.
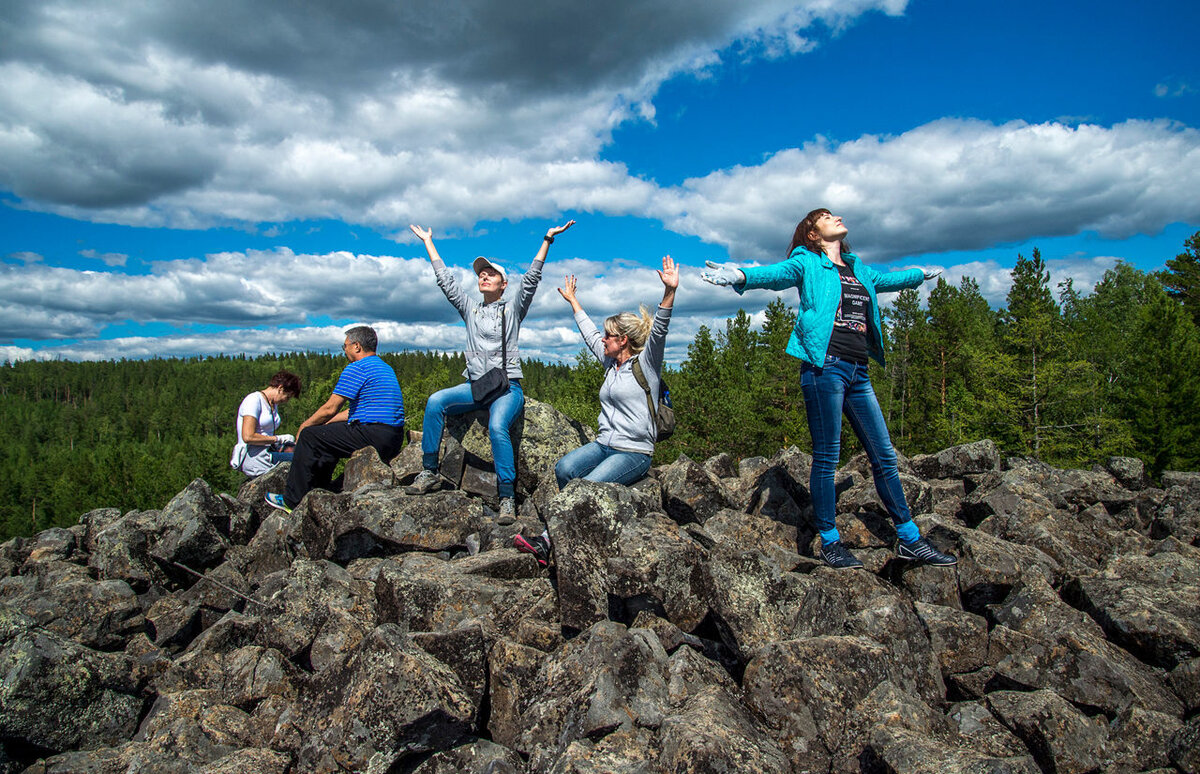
{"points": [[623, 447], [492, 333]]}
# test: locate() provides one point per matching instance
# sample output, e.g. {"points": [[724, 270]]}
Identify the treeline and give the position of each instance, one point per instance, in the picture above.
{"points": [[1068, 378]]}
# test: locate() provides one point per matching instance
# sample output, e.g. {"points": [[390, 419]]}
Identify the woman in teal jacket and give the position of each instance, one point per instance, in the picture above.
{"points": [[837, 331]]}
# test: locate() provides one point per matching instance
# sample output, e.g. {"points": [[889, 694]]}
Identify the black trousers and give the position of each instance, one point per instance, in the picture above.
{"points": [[319, 448]]}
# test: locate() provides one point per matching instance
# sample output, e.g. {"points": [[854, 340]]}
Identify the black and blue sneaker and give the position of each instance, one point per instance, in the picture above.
{"points": [[837, 556], [921, 550]]}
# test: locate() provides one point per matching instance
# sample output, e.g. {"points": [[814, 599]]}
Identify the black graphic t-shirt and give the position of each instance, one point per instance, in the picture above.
{"points": [[849, 340]]}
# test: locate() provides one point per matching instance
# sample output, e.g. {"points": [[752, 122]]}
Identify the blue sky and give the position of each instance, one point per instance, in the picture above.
{"points": [[188, 179]]}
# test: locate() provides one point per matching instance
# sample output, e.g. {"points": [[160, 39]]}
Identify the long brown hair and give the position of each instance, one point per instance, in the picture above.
{"points": [[805, 227]]}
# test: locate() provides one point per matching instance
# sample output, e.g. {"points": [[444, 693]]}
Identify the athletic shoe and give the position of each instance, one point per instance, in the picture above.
{"points": [[921, 550], [426, 481], [508, 511], [276, 501], [837, 556], [538, 546]]}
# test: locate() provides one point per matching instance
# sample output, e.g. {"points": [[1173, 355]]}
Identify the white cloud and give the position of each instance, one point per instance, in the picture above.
{"points": [[951, 185], [109, 259], [376, 112]]}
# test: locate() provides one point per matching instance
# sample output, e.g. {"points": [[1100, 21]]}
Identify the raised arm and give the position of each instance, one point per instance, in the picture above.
{"points": [[445, 277], [587, 329], [652, 355], [529, 282], [549, 239]]}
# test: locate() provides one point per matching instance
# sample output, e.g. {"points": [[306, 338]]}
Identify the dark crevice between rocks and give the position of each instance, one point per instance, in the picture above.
{"points": [[23, 752], [303, 659], [979, 597], [720, 646], [362, 544], [596, 734], [483, 717]]}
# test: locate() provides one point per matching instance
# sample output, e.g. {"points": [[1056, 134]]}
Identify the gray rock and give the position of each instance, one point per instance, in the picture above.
{"points": [[958, 461], [1041, 642], [608, 678], [691, 493], [387, 699], [1130, 472], [422, 593], [1185, 682], [959, 638], [101, 615], [615, 555], [59, 695], [1184, 747], [371, 522], [477, 757], [303, 599], [365, 468], [1149, 605], [1060, 737], [1139, 739]]}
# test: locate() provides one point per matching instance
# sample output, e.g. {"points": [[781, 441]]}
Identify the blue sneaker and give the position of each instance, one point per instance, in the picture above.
{"points": [[276, 501]]}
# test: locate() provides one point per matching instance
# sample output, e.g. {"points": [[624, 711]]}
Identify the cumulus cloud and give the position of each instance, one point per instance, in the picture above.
{"points": [[375, 112], [951, 185]]}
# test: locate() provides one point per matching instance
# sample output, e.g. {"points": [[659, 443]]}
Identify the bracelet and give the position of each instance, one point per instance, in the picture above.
{"points": [[549, 239]]}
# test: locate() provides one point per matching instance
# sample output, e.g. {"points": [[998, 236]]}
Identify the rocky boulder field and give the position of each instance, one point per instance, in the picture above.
{"points": [[684, 625]]}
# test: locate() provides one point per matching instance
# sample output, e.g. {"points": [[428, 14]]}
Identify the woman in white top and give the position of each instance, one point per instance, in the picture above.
{"points": [[259, 448], [623, 447]]}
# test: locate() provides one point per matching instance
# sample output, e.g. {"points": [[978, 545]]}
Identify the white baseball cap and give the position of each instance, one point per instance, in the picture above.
{"points": [[480, 263]]}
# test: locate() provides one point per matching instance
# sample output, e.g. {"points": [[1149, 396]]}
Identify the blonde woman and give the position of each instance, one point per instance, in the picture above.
{"points": [[622, 449]]}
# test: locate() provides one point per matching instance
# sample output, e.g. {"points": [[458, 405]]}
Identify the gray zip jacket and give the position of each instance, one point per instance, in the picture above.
{"points": [[625, 420], [484, 345]]}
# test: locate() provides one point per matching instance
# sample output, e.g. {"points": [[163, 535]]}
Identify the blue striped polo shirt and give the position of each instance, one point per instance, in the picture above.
{"points": [[373, 391]]}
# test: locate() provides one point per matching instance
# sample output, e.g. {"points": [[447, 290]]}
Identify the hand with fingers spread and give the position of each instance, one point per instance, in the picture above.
{"points": [[722, 274], [567, 291], [424, 234], [669, 274]]}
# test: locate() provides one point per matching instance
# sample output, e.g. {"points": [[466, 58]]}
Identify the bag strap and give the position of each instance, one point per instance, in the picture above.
{"points": [[645, 385], [503, 339]]}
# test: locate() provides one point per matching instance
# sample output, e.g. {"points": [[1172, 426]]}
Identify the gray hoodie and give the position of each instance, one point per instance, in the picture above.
{"points": [[625, 420], [483, 350]]}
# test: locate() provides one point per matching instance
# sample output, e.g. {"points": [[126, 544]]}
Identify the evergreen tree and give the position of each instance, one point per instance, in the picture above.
{"points": [[1182, 277]]}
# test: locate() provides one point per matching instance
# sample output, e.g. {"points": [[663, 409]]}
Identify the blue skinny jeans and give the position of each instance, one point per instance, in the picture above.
{"points": [[843, 387], [501, 414], [597, 462]]}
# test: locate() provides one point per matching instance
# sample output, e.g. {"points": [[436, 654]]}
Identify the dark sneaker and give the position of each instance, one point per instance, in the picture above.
{"points": [[921, 550], [276, 501], [508, 511], [426, 481], [538, 546], [837, 556]]}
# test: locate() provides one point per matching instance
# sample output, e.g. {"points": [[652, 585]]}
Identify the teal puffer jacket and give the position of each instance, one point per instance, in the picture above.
{"points": [[820, 288]]}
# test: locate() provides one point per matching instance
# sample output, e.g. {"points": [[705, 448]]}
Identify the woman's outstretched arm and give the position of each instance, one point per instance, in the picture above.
{"points": [[445, 277]]}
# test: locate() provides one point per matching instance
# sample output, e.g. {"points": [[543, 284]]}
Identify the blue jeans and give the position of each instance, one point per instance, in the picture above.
{"points": [[501, 414], [597, 462], [842, 386]]}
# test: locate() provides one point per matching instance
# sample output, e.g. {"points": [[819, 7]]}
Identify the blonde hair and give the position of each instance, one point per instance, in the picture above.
{"points": [[635, 326]]}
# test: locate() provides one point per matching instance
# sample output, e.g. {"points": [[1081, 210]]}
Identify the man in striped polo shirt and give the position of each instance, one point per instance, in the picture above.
{"points": [[375, 417]]}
